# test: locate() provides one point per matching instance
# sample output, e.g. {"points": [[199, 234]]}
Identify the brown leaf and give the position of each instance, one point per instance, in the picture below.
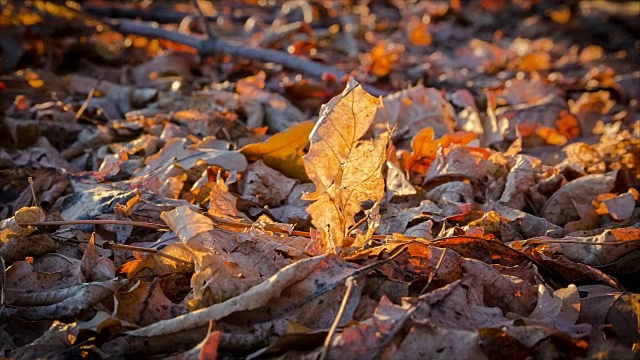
{"points": [[264, 185], [255, 297], [605, 305], [560, 311], [94, 267], [409, 111], [143, 304], [178, 151], [10, 228], [84, 298], [560, 208]]}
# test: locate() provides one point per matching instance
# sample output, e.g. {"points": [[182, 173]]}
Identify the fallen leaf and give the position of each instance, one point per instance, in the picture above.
{"points": [[345, 169], [560, 310], [284, 150], [255, 297], [560, 208]]}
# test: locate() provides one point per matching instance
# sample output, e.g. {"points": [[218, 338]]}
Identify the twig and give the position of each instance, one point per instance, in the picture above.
{"points": [[357, 225], [4, 281], [355, 275], [345, 300], [33, 192], [203, 20], [112, 246], [560, 241], [433, 273], [86, 102], [158, 14], [95, 222]]}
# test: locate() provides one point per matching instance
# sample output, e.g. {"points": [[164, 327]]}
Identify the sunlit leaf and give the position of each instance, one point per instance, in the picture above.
{"points": [[283, 151], [425, 148], [418, 33], [383, 56], [345, 169]]}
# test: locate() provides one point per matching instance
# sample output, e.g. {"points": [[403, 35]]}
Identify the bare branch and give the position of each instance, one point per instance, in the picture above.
{"points": [[219, 46]]}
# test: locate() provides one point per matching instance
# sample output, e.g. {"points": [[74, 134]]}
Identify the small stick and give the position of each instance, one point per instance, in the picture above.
{"points": [[560, 241], [33, 191], [112, 246], [96, 222], [203, 20], [219, 46], [433, 273], [350, 283], [86, 102], [345, 300], [4, 282]]}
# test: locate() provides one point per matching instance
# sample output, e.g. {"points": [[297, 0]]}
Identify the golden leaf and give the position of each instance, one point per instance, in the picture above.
{"points": [[283, 151]]}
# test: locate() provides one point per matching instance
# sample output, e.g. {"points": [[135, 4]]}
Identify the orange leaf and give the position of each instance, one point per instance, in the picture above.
{"points": [[561, 15], [568, 125], [383, 56], [210, 344], [626, 234], [535, 61], [418, 32], [250, 84], [425, 148], [551, 136]]}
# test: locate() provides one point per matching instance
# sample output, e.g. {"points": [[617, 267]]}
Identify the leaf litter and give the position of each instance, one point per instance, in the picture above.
{"points": [[439, 180]]}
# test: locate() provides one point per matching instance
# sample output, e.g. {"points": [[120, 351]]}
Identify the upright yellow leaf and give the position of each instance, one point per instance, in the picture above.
{"points": [[345, 169]]}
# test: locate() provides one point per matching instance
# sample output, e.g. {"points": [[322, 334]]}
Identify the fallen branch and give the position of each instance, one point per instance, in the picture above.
{"points": [[219, 46], [160, 14]]}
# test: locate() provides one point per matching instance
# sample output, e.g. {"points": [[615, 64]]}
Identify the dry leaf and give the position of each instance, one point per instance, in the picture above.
{"points": [[264, 185], [284, 150], [177, 151], [409, 111], [560, 310], [78, 300], [560, 208], [143, 304], [10, 228], [255, 297], [345, 169]]}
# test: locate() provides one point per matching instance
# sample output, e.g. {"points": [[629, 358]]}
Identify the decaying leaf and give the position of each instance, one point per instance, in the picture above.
{"points": [[560, 310], [255, 297], [345, 169], [143, 304], [177, 151], [265, 186], [560, 208], [58, 338], [409, 111], [77, 301]]}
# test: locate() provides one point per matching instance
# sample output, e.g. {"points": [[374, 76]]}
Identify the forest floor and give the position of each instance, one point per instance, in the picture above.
{"points": [[320, 179]]}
